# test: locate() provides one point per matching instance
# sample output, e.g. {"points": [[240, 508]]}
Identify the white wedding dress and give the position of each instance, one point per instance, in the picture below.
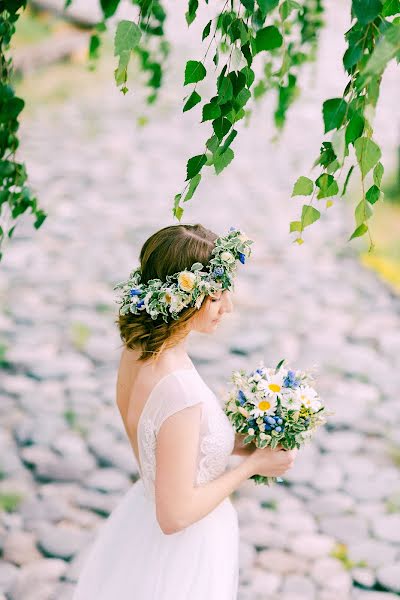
{"points": [[131, 558]]}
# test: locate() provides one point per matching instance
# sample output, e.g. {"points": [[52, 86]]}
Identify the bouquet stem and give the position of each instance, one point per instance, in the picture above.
{"points": [[262, 480]]}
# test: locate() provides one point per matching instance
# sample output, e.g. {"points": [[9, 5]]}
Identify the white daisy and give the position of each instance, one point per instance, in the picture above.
{"points": [[273, 385], [263, 407], [291, 401], [308, 397]]}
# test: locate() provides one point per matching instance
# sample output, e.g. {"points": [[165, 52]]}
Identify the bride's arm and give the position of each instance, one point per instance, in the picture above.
{"points": [[179, 502]]}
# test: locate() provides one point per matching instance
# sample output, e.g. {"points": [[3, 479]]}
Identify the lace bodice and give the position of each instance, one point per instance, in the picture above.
{"points": [[173, 392]]}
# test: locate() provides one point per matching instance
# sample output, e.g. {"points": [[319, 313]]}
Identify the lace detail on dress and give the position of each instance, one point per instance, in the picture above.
{"points": [[148, 466], [216, 440], [215, 447]]}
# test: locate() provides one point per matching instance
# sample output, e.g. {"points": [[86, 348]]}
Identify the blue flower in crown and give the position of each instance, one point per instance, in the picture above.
{"points": [[219, 271]]}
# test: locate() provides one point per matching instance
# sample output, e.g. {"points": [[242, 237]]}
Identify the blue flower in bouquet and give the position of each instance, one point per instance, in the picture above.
{"points": [[242, 257], [140, 303], [135, 292], [241, 397], [290, 380]]}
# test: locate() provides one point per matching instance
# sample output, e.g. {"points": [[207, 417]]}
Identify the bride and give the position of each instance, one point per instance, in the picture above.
{"points": [[174, 534]]}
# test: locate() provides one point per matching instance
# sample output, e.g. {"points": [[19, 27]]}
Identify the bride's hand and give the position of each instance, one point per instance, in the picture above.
{"points": [[271, 462]]}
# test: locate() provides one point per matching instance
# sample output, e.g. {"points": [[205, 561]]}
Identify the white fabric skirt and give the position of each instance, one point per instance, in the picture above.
{"points": [[132, 559]]}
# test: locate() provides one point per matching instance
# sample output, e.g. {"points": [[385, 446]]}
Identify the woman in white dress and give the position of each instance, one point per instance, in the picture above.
{"points": [[174, 535]]}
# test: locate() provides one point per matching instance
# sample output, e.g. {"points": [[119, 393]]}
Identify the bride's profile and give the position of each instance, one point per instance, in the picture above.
{"points": [[174, 535]]}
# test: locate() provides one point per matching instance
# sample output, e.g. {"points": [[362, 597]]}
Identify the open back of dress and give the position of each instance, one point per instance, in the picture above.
{"points": [[131, 558]]}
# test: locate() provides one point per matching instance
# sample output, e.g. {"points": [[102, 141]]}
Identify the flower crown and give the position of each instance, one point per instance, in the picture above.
{"points": [[188, 287]]}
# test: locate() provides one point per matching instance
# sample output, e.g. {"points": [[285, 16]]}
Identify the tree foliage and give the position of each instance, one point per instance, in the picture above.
{"points": [[281, 36]]}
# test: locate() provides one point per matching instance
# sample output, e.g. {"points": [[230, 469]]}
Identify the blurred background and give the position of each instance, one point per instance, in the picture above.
{"points": [[106, 167]]}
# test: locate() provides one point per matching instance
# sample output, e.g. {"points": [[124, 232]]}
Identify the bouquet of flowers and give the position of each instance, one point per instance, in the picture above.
{"points": [[274, 406]]}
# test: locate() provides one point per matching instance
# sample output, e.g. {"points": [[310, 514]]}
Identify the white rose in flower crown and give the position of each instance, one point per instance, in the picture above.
{"points": [[243, 237], [227, 257], [186, 280]]}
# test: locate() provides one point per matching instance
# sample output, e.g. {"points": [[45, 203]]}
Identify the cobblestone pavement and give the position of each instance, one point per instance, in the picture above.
{"points": [[332, 530]]}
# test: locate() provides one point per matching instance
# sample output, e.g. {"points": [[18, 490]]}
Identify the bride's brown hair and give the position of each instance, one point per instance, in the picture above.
{"points": [[170, 250]]}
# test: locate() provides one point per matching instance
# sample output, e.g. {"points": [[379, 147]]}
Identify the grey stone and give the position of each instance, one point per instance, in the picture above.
{"points": [[37, 581], [39, 509], [281, 562], [120, 456], [20, 548], [374, 552], [8, 576], [60, 541], [311, 545], [346, 528], [99, 503], [387, 527], [389, 576], [300, 586], [108, 480], [363, 577], [330, 574]]}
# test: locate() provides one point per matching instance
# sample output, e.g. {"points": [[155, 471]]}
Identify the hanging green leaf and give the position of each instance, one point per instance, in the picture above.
{"points": [[366, 10], [194, 72], [378, 174], [228, 140], [127, 37], [206, 31], [192, 187], [387, 48], [355, 128], [303, 187], [267, 6], [339, 144], [309, 215], [333, 112], [177, 210], [391, 7], [362, 212], [268, 38], [109, 7], [211, 112], [373, 194], [359, 231], [346, 181], [191, 13], [221, 127], [225, 90], [368, 153], [222, 160], [328, 186], [121, 72], [194, 165], [193, 99], [212, 143], [295, 226]]}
